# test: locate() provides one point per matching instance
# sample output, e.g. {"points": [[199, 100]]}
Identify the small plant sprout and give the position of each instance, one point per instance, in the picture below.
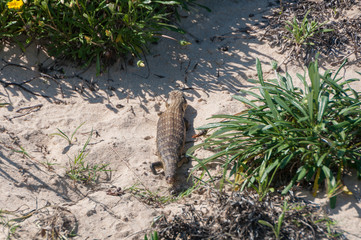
{"points": [[277, 227], [153, 236], [81, 171], [22, 151], [49, 165], [65, 136]]}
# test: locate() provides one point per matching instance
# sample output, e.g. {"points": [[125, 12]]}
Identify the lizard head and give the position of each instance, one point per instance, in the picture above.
{"points": [[177, 99]]}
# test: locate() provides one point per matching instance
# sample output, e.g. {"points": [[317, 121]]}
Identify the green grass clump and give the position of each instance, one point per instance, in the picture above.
{"points": [[81, 171], [301, 32], [310, 134], [88, 31]]}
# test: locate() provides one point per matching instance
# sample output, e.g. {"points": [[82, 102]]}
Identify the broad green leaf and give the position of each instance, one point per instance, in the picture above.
{"points": [[289, 82], [269, 169], [339, 69], [259, 72], [282, 147], [250, 93], [271, 105], [333, 202], [310, 104], [166, 2], [322, 107], [351, 109], [299, 107], [254, 81], [303, 79], [266, 224], [286, 160], [320, 160], [315, 78], [289, 186], [284, 105], [302, 171], [326, 171], [244, 100]]}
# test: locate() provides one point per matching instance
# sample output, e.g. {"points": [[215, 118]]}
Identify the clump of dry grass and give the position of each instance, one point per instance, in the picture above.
{"points": [[240, 216]]}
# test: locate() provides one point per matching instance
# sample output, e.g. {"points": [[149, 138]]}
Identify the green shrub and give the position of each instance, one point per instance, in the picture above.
{"points": [[85, 30], [311, 134]]}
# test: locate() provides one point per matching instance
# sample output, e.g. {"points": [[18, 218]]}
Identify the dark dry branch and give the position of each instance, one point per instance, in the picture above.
{"points": [[25, 111], [344, 41], [221, 216]]}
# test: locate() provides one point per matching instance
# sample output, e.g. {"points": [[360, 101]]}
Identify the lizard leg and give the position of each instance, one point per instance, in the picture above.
{"points": [[182, 161], [155, 165]]}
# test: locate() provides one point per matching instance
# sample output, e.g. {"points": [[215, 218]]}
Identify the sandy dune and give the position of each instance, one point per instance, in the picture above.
{"points": [[121, 107]]}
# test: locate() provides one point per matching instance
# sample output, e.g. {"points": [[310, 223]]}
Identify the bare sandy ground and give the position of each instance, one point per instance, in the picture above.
{"points": [[121, 107]]}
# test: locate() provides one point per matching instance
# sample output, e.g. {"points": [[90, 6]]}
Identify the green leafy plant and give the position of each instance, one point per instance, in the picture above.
{"points": [[277, 227], [329, 224], [81, 171], [301, 32], [90, 31], [65, 136], [288, 133]]}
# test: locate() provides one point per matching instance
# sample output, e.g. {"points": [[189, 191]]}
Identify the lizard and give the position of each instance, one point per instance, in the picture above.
{"points": [[171, 132]]}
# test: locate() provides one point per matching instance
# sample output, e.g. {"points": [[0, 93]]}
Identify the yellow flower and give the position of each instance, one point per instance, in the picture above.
{"points": [[15, 4], [88, 39]]}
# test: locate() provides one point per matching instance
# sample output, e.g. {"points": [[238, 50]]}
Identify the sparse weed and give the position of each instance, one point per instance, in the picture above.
{"points": [[329, 224], [22, 151], [277, 227], [10, 224], [65, 136], [49, 165], [81, 171], [151, 198], [302, 32]]}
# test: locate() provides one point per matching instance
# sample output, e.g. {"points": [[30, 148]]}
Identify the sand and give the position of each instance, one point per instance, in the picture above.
{"points": [[121, 107]]}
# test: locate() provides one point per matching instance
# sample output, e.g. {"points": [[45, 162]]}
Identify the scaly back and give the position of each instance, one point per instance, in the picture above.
{"points": [[171, 133]]}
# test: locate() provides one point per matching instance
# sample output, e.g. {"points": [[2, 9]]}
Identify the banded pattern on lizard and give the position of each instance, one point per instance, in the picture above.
{"points": [[171, 132]]}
